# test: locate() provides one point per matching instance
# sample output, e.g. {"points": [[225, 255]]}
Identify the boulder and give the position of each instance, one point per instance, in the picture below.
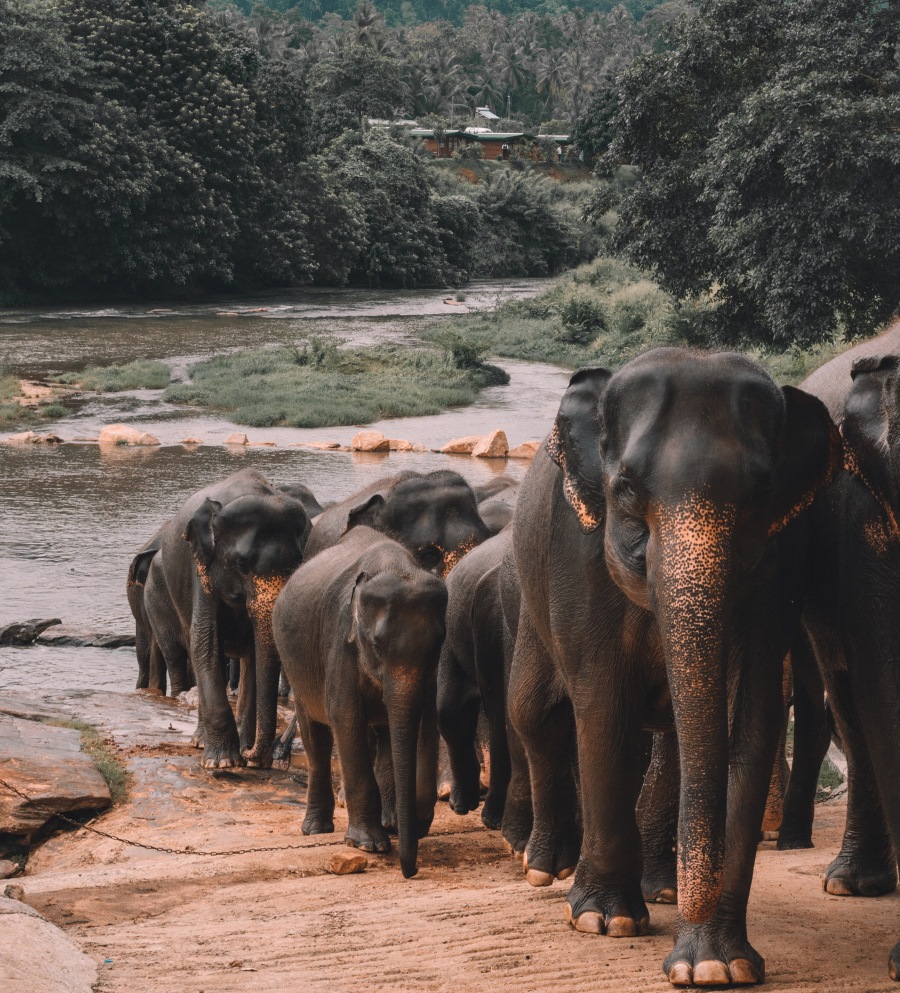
{"points": [[8, 868], [47, 764], [26, 632], [190, 441], [122, 434], [237, 439], [31, 438], [400, 445], [461, 446], [262, 444], [65, 636], [492, 446], [325, 446], [420, 448], [370, 441], [345, 863], [527, 450]]}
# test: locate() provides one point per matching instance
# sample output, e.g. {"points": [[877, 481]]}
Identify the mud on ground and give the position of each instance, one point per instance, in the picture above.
{"points": [[468, 921]]}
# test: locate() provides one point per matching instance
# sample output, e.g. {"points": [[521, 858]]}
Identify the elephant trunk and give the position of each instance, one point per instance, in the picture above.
{"points": [[404, 696], [693, 567], [265, 590]]}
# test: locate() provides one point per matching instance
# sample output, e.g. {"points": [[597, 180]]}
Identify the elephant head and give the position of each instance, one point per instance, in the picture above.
{"points": [[397, 623], [692, 464], [434, 516]]}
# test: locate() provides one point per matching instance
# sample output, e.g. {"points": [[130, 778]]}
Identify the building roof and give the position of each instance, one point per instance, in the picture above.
{"points": [[486, 113], [560, 139]]}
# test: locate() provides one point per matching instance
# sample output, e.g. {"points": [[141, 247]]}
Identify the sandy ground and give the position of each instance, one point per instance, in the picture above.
{"points": [[468, 921]]}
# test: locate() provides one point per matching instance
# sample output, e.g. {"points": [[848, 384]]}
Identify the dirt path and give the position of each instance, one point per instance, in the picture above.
{"points": [[468, 922]]}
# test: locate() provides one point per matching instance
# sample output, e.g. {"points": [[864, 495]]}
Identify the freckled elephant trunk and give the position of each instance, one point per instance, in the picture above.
{"points": [[404, 697], [693, 567], [265, 592]]}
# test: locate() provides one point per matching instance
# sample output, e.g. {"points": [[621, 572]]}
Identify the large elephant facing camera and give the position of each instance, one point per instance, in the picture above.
{"points": [[661, 544], [224, 558]]}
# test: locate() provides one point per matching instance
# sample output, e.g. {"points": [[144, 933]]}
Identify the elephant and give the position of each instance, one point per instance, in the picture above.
{"points": [[305, 495], [851, 617], [435, 516], [223, 559], [151, 667], [359, 630], [471, 675], [662, 519], [497, 502]]}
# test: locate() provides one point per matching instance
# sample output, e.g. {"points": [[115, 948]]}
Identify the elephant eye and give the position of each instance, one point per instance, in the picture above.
{"points": [[623, 487]]}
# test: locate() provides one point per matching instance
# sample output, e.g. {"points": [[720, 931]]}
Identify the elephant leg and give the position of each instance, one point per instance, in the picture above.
{"points": [[234, 675], [384, 773], [458, 706], [518, 813], [157, 673], [318, 743], [781, 771], [364, 806], [812, 736], [542, 715], [284, 687], [866, 864], [142, 648], [427, 764], [283, 748], [489, 670], [216, 724], [718, 951], [246, 702], [657, 813]]}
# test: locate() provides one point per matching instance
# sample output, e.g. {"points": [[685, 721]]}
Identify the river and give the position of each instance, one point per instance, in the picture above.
{"points": [[72, 516]]}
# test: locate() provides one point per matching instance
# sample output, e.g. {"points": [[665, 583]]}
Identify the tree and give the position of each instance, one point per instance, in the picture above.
{"points": [[358, 78], [594, 130], [769, 142]]}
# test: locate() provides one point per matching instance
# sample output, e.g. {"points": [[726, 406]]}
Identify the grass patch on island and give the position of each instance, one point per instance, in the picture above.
{"points": [[605, 313], [142, 374], [14, 414], [316, 383]]}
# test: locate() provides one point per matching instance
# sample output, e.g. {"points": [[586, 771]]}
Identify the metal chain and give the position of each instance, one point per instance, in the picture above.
{"points": [[36, 805]]}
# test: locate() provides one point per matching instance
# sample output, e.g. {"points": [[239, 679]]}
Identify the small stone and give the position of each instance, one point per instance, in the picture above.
{"points": [[190, 441], [14, 892], [400, 445], [122, 434], [237, 439], [343, 864], [420, 448], [492, 446], [262, 444], [8, 868], [461, 446], [370, 441], [325, 446], [527, 450]]}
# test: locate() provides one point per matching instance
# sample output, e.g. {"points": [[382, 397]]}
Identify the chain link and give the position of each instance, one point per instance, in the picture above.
{"points": [[36, 805]]}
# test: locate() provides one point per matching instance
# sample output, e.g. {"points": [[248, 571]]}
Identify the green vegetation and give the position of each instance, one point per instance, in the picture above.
{"points": [[14, 414], [768, 136], [142, 374], [605, 313], [110, 764], [829, 779], [318, 384]]}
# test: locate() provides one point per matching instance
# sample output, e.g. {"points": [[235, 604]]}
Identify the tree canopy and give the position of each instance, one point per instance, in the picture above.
{"points": [[768, 137]]}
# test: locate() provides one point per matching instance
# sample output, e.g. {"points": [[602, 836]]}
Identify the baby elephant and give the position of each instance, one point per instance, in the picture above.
{"points": [[359, 630]]}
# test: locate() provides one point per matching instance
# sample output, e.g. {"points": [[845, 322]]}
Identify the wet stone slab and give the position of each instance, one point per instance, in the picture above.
{"points": [[47, 764]]}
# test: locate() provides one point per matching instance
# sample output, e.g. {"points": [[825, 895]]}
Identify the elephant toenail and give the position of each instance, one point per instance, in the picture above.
{"points": [[743, 972], [681, 974], [711, 973], [621, 927], [538, 878], [589, 922]]}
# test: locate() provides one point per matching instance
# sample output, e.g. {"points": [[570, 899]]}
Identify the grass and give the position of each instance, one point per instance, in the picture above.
{"points": [[14, 414], [605, 313], [142, 374], [105, 757], [318, 384]]}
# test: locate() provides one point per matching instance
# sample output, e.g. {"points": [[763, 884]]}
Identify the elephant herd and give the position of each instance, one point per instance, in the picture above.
{"points": [[618, 632]]}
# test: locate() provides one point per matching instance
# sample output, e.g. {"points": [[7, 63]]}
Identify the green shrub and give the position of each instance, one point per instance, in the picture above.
{"points": [[583, 318], [142, 374]]}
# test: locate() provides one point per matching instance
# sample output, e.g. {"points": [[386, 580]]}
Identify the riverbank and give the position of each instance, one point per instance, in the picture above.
{"points": [[165, 923]]}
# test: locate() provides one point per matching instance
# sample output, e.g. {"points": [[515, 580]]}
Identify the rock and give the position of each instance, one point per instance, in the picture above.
{"points": [[26, 632], [527, 450], [262, 444], [345, 863], [47, 764], [122, 434], [190, 441], [461, 446], [420, 448], [38, 957], [236, 439], [65, 636], [399, 445], [14, 892], [492, 446], [31, 438], [8, 868], [370, 441], [190, 698]]}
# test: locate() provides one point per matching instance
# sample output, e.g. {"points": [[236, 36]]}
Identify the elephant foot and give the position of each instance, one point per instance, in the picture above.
{"points": [[317, 823], [517, 823], [389, 819], [367, 838], [609, 910], [855, 876], [463, 800], [222, 756], [789, 841], [712, 955], [198, 738], [445, 788], [659, 885], [259, 757], [548, 857], [894, 963], [492, 812]]}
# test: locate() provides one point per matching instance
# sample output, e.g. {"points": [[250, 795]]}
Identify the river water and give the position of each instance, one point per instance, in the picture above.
{"points": [[72, 516]]}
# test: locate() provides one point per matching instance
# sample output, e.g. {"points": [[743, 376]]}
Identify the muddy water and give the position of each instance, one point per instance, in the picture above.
{"points": [[71, 517]]}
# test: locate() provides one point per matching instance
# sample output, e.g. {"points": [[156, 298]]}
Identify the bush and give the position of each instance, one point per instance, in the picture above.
{"points": [[583, 318], [142, 374]]}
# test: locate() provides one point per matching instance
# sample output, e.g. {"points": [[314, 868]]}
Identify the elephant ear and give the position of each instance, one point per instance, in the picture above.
{"points": [[810, 455], [353, 605], [140, 567], [574, 445], [365, 514], [199, 532], [869, 427]]}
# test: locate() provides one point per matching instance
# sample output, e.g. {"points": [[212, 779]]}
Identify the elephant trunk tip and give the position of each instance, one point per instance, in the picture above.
{"points": [[408, 866]]}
